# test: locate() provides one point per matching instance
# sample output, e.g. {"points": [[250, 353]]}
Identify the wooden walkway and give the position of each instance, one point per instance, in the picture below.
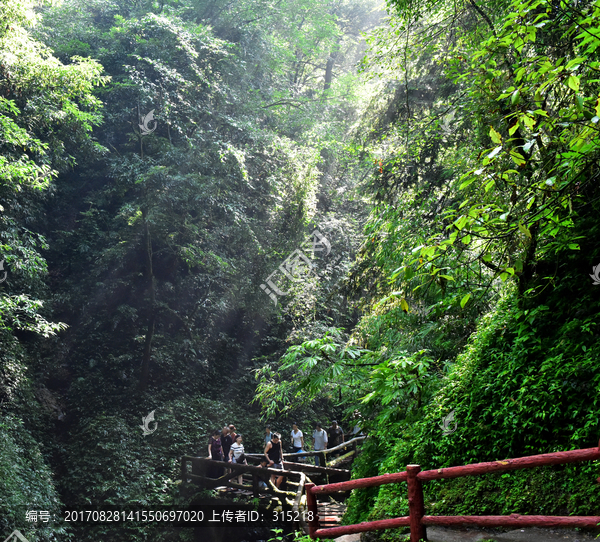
{"points": [[330, 513], [256, 481]]}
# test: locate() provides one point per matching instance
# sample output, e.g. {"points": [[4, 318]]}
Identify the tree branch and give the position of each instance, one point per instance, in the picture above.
{"points": [[484, 15]]}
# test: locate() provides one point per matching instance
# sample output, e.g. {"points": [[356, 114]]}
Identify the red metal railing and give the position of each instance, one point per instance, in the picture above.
{"points": [[417, 520]]}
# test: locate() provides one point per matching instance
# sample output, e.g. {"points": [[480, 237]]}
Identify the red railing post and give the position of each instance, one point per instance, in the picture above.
{"points": [[416, 504], [311, 503], [598, 480]]}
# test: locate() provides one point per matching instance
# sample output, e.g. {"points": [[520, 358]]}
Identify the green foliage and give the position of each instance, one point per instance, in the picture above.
{"points": [[152, 247], [470, 138], [297, 536], [47, 112], [485, 155], [199, 210], [384, 384], [43, 101], [27, 484], [538, 106], [130, 471], [526, 384]]}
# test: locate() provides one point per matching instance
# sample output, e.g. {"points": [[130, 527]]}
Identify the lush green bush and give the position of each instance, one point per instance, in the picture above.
{"points": [[109, 462], [527, 383], [26, 484]]}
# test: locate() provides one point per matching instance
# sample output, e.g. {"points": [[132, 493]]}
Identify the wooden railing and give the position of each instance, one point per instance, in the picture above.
{"points": [[295, 473], [322, 454], [200, 465], [417, 520]]}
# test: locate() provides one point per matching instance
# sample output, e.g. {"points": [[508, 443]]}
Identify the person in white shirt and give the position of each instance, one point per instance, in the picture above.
{"points": [[319, 438], [236, 454], [297, 440]]}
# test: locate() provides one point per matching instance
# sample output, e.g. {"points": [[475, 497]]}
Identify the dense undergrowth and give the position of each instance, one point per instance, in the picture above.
{"points": [[526, 383], [158, 161]]}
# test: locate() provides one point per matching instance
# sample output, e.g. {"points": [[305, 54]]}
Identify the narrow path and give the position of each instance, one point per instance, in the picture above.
{"points": [[533, 534], [330, 514], [530, 534]]}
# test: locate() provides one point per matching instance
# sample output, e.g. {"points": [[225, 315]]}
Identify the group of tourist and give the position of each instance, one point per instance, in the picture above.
{"points": [[226, 445], [321, 439]]}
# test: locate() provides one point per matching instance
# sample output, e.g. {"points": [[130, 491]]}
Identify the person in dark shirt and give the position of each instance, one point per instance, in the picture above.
{"points": [[215, 452], [226, 442], [274, 455], [336, 435]]}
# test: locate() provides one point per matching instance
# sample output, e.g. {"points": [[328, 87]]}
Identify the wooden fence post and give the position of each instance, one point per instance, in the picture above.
{"points": [[416, 504], [311, 504], [198, 467]]}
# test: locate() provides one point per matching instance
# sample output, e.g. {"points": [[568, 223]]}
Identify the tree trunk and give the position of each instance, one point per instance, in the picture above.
{"points": [[329, 66], [145, 376], [329, 72]]}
